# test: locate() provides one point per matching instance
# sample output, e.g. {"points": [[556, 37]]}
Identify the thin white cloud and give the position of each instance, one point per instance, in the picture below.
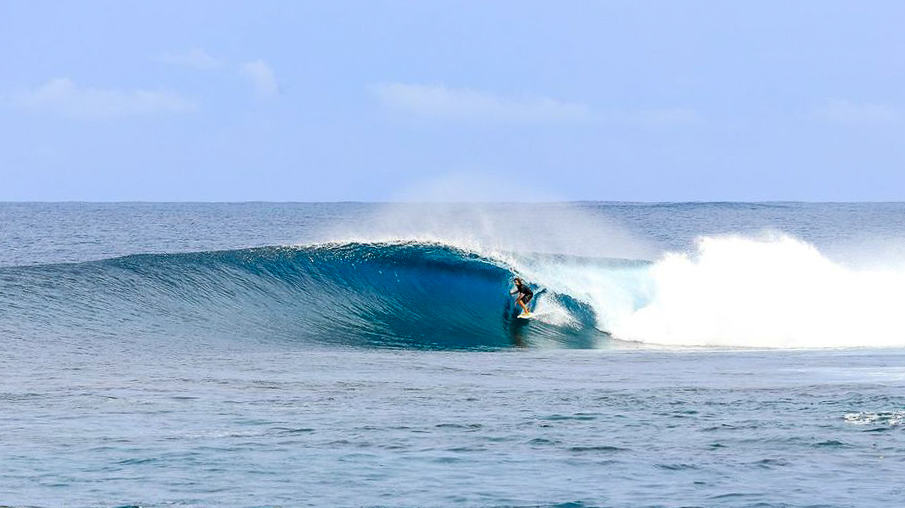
{"points": [[664, 117], [847, 112], [438, 101], [63, 96], [196, 58], [258, 72], [261, 76]]}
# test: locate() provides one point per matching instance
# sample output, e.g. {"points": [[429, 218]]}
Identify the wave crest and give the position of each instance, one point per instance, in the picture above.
{"points": [[401, 294]]}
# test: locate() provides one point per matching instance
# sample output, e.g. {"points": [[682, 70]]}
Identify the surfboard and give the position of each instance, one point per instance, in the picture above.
{"points": [[525, 316]]}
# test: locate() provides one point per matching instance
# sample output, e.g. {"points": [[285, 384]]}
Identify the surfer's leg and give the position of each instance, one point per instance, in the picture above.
{"points": [[522, 304]]}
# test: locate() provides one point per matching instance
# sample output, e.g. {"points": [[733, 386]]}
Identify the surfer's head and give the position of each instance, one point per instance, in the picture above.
{"points": [[518, 282]]}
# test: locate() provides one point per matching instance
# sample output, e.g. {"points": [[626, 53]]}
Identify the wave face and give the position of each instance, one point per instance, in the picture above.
{"points": [[418, 295]]}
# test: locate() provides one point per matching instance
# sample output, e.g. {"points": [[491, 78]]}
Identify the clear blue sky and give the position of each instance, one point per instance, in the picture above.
{"points": [[323, 101]]}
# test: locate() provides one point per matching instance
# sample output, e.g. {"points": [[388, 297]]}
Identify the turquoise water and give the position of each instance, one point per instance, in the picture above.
{"points": [[224, 354]]}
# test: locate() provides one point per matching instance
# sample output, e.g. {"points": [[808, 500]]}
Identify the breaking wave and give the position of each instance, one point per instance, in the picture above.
{"points": [[732, 291]]}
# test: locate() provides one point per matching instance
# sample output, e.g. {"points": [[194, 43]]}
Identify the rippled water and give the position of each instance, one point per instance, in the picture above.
{"points": [[153, 418]]}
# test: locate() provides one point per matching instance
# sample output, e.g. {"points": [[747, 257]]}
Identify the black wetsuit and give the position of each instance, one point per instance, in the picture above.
{"points": [[525, 293]]}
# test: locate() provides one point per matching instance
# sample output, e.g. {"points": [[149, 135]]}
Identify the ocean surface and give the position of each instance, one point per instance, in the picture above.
{"points": [[351, 354]]}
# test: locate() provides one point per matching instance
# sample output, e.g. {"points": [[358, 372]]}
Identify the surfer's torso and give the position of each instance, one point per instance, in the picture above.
{"points": [[525, 292]]}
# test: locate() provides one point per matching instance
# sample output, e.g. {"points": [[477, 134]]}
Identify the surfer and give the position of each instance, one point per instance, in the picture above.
{"points": [[524, 296]]}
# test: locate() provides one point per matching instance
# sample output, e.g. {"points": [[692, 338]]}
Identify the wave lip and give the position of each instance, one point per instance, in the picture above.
{"points": [[400, 294]]}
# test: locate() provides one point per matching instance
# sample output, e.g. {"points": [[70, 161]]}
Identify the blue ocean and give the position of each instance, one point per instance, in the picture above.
{"points": [[367, 354]]}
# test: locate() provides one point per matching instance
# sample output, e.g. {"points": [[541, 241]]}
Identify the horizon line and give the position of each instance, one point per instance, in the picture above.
{"points": [[481, 202]]}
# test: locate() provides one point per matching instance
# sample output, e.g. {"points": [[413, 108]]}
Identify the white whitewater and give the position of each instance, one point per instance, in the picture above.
{"points": [[775, 292]]}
